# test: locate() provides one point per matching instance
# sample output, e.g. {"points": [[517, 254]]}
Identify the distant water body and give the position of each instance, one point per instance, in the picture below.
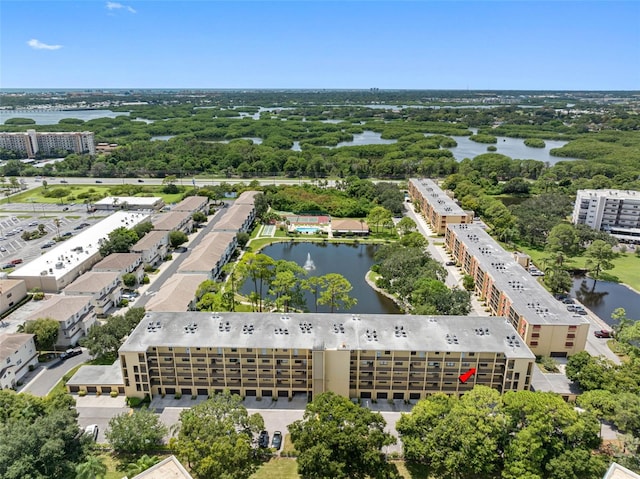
{"points": [[53, 117]]}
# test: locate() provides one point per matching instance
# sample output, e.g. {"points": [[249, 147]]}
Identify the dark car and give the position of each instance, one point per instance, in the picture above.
{"points": [[68, 234], [8, 266], [567, 300], [46, 245], [66, 208], [277, 440], [450, 263], [603, 333], [64, 181], [140, 181], [263, 439], [69, 353], [98, 181]]}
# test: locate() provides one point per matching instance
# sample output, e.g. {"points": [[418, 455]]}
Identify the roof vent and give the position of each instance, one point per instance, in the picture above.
{"points": [[224, 327], [247, 329], [191, 328], [372, 335], [285, 317], [338, 328], [305, 327], [281, 331], [400, 332]]}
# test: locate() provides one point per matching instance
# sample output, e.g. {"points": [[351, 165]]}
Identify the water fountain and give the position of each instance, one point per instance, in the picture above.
{"points": [[309, 264]]}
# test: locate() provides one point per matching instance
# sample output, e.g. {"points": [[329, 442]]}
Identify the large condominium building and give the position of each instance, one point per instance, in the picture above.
{"points": [[615, 211], [438, 209], [281, 355], [32, 142], [509, 290]]}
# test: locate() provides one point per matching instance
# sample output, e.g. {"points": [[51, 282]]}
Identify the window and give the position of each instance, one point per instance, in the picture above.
{"points": [[568, 344], [535, 335], [534, 343], [571, 336], [449, 365]]}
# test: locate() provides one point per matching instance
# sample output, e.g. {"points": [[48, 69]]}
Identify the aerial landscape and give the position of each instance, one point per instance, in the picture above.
{"points": [[320, 240]]}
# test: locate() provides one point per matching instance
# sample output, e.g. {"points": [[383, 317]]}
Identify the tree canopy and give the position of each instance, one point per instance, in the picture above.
{"points": [[136, 432], [339, 439]]}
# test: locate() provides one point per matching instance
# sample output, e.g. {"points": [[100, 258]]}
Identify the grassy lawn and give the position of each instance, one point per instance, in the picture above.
{"points": [[280, 468], [101, 191], [286, 468], [625, 270]]}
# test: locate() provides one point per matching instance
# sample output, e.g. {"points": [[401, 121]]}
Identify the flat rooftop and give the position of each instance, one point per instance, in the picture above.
{"points": [[328, 332], [613, 194], [97, 375], [437, 198], [61, 259], [529, 297], [134, 201]]}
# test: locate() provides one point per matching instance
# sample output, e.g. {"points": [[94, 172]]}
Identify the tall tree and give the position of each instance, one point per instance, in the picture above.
{"points": [[339, 439], [260, 269], [599, 258], [379, 216], [136, 432], [46, 332], [335, 292], [215, 438]]}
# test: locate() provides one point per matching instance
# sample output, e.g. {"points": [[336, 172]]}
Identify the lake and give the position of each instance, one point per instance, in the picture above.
{"points": [[606, 297], [54, 117], [351, 261]]}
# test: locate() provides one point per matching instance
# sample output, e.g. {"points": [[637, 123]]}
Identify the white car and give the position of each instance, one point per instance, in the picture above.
{"points": [[92, 431]]}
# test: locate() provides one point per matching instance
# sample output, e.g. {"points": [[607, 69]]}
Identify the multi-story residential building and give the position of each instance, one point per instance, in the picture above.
{"points": [[178, 293], [240, 215], [153, 247], [509, 290], [17, 353], [62, 264], [74, 313], [12, 291], [123, 263], [281, 355], [614, 211], [174, 221], [193, 204], [103, 288], [438, 209], [211, 254], [32, 142]]}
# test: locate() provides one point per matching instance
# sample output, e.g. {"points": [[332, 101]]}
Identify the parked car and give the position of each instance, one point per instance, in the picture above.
{"points": [[17, 261], [68, 234], [450, 263], [263, 439], [3, 249], [568, 301], [33, 223], [140, 180], [92, 431], [98, 181], [603, 333], [48, 244], [8, 266], [277, 440], [64, 181], [69, 353]]}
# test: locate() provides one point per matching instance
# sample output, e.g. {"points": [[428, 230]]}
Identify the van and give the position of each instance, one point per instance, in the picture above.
{"points": [[92, 431]]}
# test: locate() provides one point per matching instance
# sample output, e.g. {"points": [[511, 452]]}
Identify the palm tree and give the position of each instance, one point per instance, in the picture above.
{"points": [[93, 468], [142, 464], [57, 223]]}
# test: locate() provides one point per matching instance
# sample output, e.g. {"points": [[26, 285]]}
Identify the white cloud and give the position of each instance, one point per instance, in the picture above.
{"points": [[38, 45], [119, 6]]}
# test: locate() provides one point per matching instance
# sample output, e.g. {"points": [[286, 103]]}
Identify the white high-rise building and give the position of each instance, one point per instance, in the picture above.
{"points": [[32, 142], [614, 211]]}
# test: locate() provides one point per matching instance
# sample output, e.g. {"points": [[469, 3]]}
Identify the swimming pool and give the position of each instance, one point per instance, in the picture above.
{"points": [[308, 230]]}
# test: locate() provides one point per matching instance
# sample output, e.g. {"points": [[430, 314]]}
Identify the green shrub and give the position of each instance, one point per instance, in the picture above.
{"points": [[82, 393], [177, 395], [114, 394]]}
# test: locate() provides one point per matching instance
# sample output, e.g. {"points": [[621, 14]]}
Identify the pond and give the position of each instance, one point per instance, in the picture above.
{"points": [[350, 260], [604, 297]]}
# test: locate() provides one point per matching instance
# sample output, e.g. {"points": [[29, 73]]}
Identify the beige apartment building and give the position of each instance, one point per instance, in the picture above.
{"points": [[32, 142], [12, 291], [510, 291], [278, 355], [436, 206]]}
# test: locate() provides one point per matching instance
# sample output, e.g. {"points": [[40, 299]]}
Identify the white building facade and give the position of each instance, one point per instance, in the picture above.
{"points": [[614, 211]]}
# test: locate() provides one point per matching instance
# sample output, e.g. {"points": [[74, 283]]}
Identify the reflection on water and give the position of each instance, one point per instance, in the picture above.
{"points": [[350, 260], [603, 297]]}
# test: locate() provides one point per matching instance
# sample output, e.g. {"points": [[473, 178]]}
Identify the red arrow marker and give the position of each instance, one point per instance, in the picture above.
{"points": [[465, 376]]}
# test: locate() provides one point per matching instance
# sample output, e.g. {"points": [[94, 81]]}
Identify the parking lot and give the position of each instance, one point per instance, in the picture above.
{"points": [[13, 225]]}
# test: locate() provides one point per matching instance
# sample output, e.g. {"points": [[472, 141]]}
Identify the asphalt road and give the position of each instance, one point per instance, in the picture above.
{"points": [[43, 379]]}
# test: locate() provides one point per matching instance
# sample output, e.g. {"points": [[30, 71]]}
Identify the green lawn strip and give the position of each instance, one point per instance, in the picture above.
{"points": [[412, 471], [282, 468], [35, 195], [625, 270], [60, 386]]}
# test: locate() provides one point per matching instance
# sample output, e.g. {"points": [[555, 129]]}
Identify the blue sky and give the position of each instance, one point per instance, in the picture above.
{"points": [[563, 45]]}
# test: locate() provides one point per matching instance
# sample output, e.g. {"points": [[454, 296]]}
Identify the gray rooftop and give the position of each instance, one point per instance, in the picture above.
{"points": [[246, 198], [9, 343], [92, 282], [118, 262], [208, 253], [151, 239], [97, 375], [170, 221], [437, 198], [234, 217], [529, 297], [191, 203], [328, 332]]}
